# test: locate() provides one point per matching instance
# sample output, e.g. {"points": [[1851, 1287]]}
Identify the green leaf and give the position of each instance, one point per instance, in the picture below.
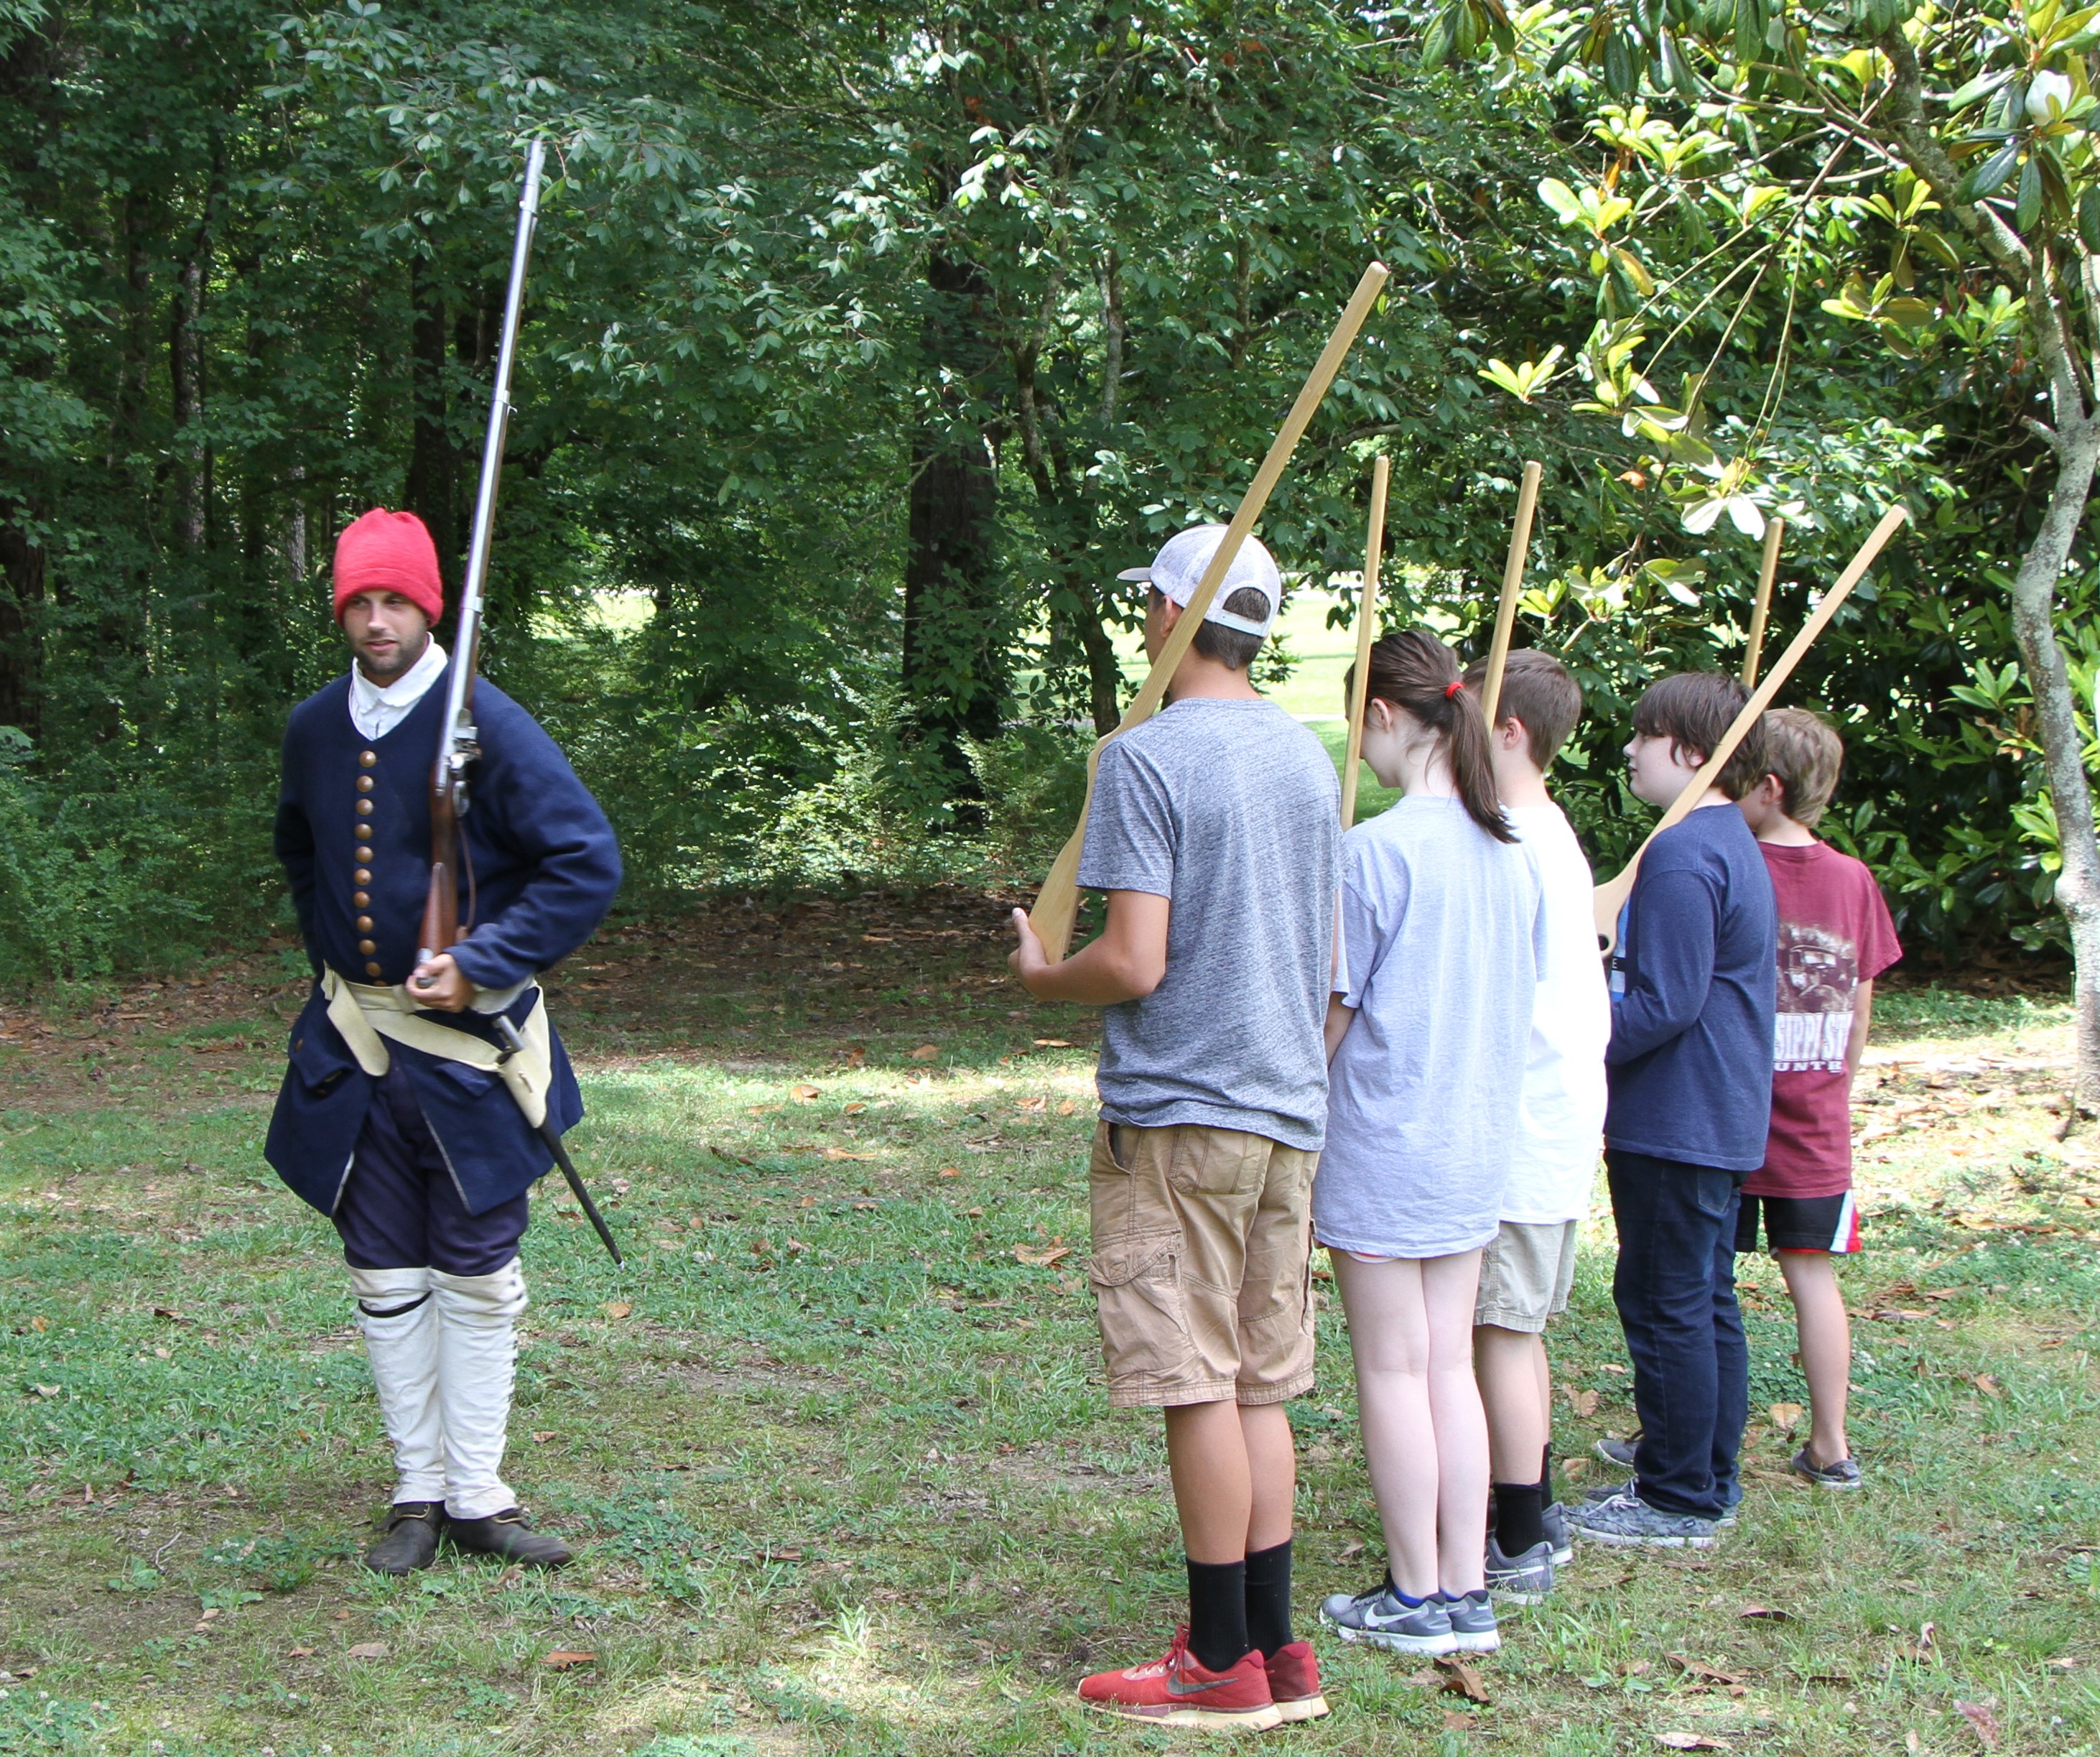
{"points": [[2088, 220], [1910, 313], [1989, 178], [1621, 79], [1563, 51], [1978, 89], [2028, 208]]}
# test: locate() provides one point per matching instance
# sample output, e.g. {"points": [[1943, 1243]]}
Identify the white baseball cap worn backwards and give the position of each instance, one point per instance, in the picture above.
{"points": [[1178, 569]]}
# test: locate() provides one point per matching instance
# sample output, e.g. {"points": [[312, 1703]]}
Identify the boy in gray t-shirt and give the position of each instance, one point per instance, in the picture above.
{"points": [[1213, 830]]}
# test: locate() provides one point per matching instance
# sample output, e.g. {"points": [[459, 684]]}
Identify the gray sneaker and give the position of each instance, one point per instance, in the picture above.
{"points": [[1626, 1522], [1605, 1491], [1472, 1616], [1523, 1579], [1554, 1520], [1378, 1618], [1618, 1452], [1844, 1474]]}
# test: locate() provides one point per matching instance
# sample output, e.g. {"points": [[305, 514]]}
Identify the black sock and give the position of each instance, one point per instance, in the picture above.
{"points": [[1518, 1506], [1218, 1615], [1269, 1599]]}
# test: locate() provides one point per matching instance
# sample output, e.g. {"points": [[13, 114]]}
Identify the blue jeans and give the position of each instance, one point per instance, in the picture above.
{"points": [[1675, 1290]]}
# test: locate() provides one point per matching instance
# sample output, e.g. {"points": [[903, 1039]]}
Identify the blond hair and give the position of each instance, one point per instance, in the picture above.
{"points": [[1805, 754]]}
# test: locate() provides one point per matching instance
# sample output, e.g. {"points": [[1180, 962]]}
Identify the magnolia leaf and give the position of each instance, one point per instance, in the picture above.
{"points": [[2027, 208], [1561, 199], [1682, 592], [1702, 518], [1746, 515], [1989, 178]]}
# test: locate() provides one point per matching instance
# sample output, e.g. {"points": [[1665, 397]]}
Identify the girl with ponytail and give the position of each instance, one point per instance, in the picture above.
{"points": [[1442, 941]]}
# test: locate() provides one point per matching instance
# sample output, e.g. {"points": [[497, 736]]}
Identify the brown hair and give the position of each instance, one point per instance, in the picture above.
{"points": [[1415, 673], [1540, 694], [1694, 710], [1806, 754], [1233, 648]]}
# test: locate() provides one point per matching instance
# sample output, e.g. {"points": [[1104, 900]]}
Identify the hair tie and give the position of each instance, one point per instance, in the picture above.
{"points": [[1453, 688]]}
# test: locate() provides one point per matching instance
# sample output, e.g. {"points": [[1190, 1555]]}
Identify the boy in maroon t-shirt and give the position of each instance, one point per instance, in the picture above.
{"points": [[1835, 937]]}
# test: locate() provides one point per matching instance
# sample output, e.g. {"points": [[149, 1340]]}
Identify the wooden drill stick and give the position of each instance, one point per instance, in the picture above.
{"points": [[1057, 904], [1775, 529], [1491, 687], [1610, 897], [1360, 688]]}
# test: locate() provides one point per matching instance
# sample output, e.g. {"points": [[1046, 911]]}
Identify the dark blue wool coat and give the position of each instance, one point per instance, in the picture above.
{"points": [[546, 867]]}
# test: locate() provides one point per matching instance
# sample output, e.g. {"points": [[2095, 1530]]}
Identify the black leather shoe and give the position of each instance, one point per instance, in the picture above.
{"points": [[410, 1541], [506, 1534]]}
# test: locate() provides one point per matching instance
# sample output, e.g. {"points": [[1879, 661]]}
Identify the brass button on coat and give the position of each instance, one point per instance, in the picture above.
{"points": [[372, 969], [364, 878], [366, 758], [364, 924], [365, 808], [362, 900], [364, 783], [367, 947], [364, 832]]}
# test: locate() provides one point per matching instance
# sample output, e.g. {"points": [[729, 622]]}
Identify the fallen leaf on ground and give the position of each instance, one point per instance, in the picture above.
{"points": [[1982, 1722], [925, 1052], [41, 1324], [853, 1110], [1584, 1403], [1711, 1674], [952, 1171], [854, 1057], [1572, 1467], [1910, 1742], [564, 1659], [46, 1391], [1984, 1383], [1041, 1256], [804, 1094], [1051, 1043], [541, 1436], [1785, 1414], [1455, 1722], [1925, 1650], [1688, 1741], [1770, 1613], [1461, 1679], [840, 1153], [1068, 1107], [1349, 1550], [368, 1650], [618, 1308], [300, 1653], [1031, 1105]]}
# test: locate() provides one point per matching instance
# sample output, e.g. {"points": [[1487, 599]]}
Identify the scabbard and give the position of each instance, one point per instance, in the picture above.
{"points": [[552, 1139]]}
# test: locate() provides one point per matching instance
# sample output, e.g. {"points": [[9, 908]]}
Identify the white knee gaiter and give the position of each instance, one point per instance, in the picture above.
{"points": [[400, 1318], [477, 1355]]}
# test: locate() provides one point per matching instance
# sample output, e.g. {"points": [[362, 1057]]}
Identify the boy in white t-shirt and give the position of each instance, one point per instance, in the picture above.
{"points": [[1526, 1273]]}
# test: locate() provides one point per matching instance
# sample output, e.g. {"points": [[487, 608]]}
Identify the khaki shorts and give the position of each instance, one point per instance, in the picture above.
{"points": [[1525, 1273], [1202, 1266]]}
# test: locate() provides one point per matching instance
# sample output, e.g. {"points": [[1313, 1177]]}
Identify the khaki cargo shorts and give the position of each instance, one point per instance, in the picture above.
{"points": [[1526, 1274], [1202, 1266]]}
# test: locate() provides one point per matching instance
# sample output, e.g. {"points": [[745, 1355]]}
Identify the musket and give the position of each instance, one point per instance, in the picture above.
{"points": [[457, 745]]}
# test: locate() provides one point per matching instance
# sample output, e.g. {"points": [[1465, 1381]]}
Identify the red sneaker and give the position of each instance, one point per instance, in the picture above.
{"points": [[1293, 1683], [1178, 1690]]}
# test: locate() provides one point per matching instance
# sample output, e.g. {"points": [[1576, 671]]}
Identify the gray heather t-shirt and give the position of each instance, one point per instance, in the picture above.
{"points": [[1231, 809], [1444, 934]]}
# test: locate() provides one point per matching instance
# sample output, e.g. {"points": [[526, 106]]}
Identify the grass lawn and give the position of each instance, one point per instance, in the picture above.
{"points": [[833, 1445]]}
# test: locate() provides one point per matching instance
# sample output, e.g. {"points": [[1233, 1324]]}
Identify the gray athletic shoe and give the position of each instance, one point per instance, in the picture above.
{"points": [[1626, 1522], [1605, 1491], [1378, 1618], [1472, 1616], [1618, 1452], [1844, 1474], [1523, 1579], [1554, 1520]]}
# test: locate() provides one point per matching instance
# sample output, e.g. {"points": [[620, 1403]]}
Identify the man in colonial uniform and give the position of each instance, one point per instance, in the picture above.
{"points": [[403, 1117]]}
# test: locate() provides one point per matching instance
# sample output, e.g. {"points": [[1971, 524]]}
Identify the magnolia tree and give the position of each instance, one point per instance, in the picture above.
{"points": [[1928, 176]]}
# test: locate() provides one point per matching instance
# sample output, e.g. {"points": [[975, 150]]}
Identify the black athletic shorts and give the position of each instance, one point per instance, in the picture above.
{"points": [[1800, 1223]]}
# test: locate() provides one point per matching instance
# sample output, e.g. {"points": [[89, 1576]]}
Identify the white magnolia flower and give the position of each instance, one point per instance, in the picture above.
{"points": [[2049, 96]]}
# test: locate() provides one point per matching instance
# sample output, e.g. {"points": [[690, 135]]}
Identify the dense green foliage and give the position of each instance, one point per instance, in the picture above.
{"points": [[861, 352]]}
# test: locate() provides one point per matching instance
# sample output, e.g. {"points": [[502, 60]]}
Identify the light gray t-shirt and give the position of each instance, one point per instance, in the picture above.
{"points": [[1444, 934], [1231, 809]]}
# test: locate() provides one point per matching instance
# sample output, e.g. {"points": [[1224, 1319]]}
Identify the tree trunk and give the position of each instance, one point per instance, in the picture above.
{"points": [[186, 363], [953, 660], [431, 490], [2034, 603], [21, 597]]}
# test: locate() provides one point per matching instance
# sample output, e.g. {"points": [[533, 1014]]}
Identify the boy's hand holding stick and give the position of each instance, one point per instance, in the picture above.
{"points": [[1519, 547], [1360, 689], [1057, 904], [1610, 897], [1775, 529]]}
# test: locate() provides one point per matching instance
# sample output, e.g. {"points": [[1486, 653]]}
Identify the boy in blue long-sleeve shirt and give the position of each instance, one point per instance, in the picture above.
{"points": [[1690, 1063]]}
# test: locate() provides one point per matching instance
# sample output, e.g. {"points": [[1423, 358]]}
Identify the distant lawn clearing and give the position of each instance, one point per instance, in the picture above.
{"points": [[833, 1445]]}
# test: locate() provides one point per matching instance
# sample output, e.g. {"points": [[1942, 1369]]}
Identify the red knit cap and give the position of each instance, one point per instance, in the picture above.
{"points": [[389, 552]]}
